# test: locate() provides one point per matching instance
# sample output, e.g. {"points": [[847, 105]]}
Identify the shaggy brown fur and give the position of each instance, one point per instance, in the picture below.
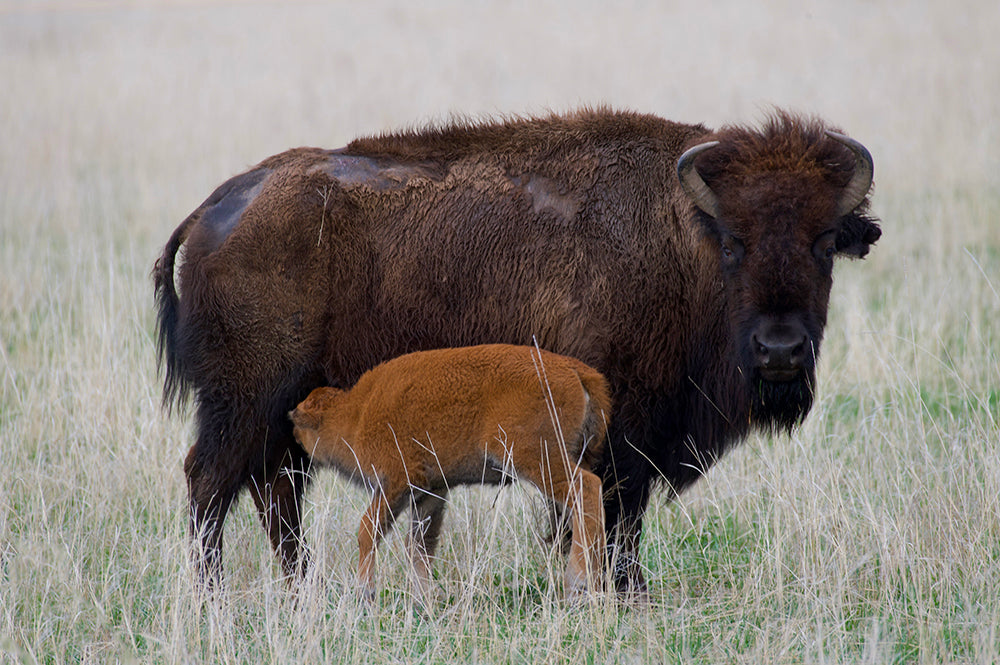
{"points": [[418, 425], [317, 265]]}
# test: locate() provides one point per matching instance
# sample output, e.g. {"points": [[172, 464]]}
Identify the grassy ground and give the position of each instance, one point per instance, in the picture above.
{"points": [[870, 535]]}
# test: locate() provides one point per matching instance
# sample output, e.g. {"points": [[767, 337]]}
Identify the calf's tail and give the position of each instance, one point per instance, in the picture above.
{"points": [[594, 429]]}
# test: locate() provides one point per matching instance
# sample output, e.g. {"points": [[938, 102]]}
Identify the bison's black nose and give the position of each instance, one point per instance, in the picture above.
{"points": [[780, 350]]}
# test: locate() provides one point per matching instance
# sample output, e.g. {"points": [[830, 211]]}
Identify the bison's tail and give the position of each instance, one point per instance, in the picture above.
{"points": [[175, 383]]}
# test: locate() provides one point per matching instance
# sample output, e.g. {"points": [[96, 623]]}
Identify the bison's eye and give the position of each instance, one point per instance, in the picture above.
{"points": [[825, 247], [732, 251]]}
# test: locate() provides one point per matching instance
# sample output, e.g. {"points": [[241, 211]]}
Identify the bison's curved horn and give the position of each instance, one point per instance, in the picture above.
{"points": [[692, 183], [857, 189]]}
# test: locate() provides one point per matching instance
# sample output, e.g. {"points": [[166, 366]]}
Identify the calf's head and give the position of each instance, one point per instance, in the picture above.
{"points": [[778, 206], [310, 415]]}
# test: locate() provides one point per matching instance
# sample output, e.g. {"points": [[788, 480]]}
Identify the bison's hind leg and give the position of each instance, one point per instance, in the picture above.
{"points": [[277, 489], [210, 496], [235, 449]]}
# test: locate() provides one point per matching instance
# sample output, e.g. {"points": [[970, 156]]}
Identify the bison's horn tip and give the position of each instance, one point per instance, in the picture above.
{"points": [[693, 184], [861, 182]]}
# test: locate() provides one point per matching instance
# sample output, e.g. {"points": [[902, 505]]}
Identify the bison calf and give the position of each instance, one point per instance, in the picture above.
{"points": [[418, 425]]}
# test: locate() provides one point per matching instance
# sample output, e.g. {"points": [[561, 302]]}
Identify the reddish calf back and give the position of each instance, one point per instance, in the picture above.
{"points": [[432, 415]]}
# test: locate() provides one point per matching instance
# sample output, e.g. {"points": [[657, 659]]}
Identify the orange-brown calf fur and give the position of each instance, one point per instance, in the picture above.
{"points": [[415, 426]]}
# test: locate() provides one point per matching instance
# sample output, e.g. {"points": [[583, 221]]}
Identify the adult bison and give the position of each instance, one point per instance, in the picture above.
{"points": [[692, 267]]}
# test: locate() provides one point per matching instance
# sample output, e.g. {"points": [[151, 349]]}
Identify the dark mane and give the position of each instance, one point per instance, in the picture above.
{"points": [[462, 137]]}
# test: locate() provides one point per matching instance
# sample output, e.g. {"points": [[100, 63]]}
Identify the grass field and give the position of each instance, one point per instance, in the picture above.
{"points": [[871, 535]]}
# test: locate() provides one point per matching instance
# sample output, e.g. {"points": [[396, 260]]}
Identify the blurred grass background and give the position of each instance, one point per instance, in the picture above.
{"points": [[870, 535]]}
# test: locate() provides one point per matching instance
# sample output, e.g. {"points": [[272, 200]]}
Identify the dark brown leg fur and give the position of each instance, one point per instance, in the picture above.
{"points": [[209, 503], [277, 493], [425, 528]]}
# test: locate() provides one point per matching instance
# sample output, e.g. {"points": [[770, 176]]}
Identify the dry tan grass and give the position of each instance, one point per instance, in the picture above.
{"points": [[871, 535]]}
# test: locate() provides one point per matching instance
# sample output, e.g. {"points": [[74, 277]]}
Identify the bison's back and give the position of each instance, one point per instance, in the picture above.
{"points": [[316, 265]]}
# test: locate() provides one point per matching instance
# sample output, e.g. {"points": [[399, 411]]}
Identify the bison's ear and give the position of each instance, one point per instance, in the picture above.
{"points": [[858, 232]]}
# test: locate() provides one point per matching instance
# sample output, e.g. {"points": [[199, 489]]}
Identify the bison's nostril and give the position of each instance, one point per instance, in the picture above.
{"points": [[759, 348], [799, 353]]}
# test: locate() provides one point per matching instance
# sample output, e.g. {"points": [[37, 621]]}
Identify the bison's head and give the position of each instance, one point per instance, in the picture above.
{"points": [[779, 205]]}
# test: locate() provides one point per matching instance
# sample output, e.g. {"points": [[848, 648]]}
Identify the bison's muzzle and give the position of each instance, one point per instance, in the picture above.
{"points": [[779, 360], [781, 349]]}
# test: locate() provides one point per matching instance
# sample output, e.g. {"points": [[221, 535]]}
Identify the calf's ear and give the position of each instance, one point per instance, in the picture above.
{"points": [[858, 232], [304, 418], [309, 412], [318, 399]]}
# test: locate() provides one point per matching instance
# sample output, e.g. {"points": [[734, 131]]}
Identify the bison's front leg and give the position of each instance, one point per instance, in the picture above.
{"points": [[625, 500], [277, 492], [623, 550]]}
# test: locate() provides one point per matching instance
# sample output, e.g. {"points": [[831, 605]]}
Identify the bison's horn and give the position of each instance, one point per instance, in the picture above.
{"points": [[857, 189], [691, 181]]}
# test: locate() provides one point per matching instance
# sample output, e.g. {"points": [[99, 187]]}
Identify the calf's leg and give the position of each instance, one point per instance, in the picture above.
{"points": [[585, 567], [627, 484], [375, 523], [578, 491], [425, 527]]}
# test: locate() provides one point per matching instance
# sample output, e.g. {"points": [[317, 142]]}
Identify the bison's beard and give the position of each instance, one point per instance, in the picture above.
{"points": [[780, 405]]}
